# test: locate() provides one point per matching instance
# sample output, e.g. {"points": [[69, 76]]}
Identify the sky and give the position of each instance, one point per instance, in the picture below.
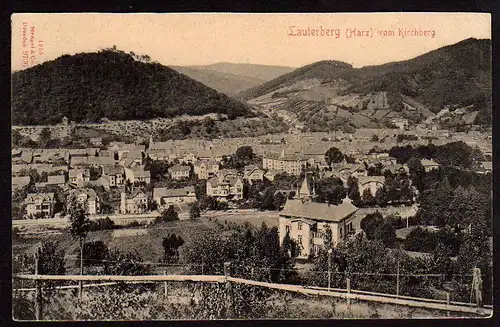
{"points": [[270, 39]]}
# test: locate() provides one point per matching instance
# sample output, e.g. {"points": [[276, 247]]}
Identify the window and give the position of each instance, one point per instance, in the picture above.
{"points": [[341, 234], [299, 225], [287, 229], [299, 239]]}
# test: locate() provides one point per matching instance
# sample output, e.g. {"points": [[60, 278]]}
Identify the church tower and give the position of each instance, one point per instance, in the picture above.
{"points": [[305, 193]]}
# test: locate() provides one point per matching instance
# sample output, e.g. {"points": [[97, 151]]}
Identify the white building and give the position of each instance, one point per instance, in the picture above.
{"points": [[40, 204], [179, 171], [289, 163], [88, 198], [165, 197], [306, 222], [227, 185], [137, 202]]}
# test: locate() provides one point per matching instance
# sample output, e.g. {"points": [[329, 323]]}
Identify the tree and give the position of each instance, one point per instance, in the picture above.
{"points": [[168, 215], [367, 197], [353, 190], [245, 153], [79, 227], [415, 165], [171, 244], [375, 138], [328, 237], [51, 260], [381, 196], [370, 223], [102, 224], [279, 200], [44, 137], [333, 155], [385, 233], [194, 211], [95, 253]]}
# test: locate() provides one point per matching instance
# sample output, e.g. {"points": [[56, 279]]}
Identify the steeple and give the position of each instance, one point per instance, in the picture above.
{"points": [[304, 191]]}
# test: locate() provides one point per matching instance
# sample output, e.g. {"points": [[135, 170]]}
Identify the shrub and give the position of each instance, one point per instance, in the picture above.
{"points": [[102, 224]]}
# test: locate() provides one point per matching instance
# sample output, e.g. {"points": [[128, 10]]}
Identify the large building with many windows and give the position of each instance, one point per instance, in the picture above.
{"points": [[284, 162]]}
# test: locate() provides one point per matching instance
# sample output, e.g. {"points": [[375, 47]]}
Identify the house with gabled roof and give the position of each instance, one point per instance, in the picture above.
{"points": [[114, 174], [88, 198], [40, 205], [205, 169], [137, 174], [485, 167], [227, 185], [253, 173], [164, 197], [372, 183], [53, 180], [271, 174], [79, 177], [136, 202], [306, 222], [290, 163], [429, 164]]}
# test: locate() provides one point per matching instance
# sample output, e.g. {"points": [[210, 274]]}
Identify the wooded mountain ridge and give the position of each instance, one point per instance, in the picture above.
{"points": [[87, 87]]}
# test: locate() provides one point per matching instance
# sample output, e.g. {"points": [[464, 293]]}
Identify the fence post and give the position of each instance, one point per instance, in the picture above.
{"points": [[397, 281], [80, 284], [229, 291], [478, 286], [348, 292], [447, 303], [38, 289], [165, 287]]}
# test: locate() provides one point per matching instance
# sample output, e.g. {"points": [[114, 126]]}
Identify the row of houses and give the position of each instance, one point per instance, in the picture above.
{"points": [[136, 202]]}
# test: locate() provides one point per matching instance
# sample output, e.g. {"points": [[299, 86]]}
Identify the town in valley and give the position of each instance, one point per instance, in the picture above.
{"points": [[322, 191]]}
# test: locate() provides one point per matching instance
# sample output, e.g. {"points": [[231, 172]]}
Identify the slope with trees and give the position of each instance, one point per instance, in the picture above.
{"points": [[87, 87]]}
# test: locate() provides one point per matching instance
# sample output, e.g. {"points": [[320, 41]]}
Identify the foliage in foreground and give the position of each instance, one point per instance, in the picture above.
{"points": [[197, 301]]}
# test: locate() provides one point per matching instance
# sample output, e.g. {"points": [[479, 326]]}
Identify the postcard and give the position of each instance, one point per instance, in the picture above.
{"points": [[199, 166]]}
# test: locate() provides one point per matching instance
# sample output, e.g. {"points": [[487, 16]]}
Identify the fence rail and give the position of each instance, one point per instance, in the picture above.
{"points": [[347, 294]]}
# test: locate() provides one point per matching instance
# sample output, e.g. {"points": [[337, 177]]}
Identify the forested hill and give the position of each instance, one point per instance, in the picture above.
{"points": [[459, 74], [454, 76], [113, 84], [325, 70]]}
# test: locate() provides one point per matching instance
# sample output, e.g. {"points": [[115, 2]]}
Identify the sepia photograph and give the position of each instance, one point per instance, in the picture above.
{"points": [[223, 166]]}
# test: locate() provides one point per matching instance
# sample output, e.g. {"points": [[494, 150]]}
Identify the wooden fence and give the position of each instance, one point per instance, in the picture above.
{"points": [[347, 294]]}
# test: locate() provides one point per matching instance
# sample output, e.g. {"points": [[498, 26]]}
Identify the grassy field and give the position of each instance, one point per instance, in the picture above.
{"points": [[148, 246]]}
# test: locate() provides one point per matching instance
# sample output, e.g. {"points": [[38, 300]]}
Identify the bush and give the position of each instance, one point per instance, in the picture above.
{"points": [[102, 224], [420, 240], [94, 253], [168, 215]]}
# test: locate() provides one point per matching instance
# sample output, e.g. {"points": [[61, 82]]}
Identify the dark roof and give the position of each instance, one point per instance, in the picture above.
{"points": [[318, 211]]}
